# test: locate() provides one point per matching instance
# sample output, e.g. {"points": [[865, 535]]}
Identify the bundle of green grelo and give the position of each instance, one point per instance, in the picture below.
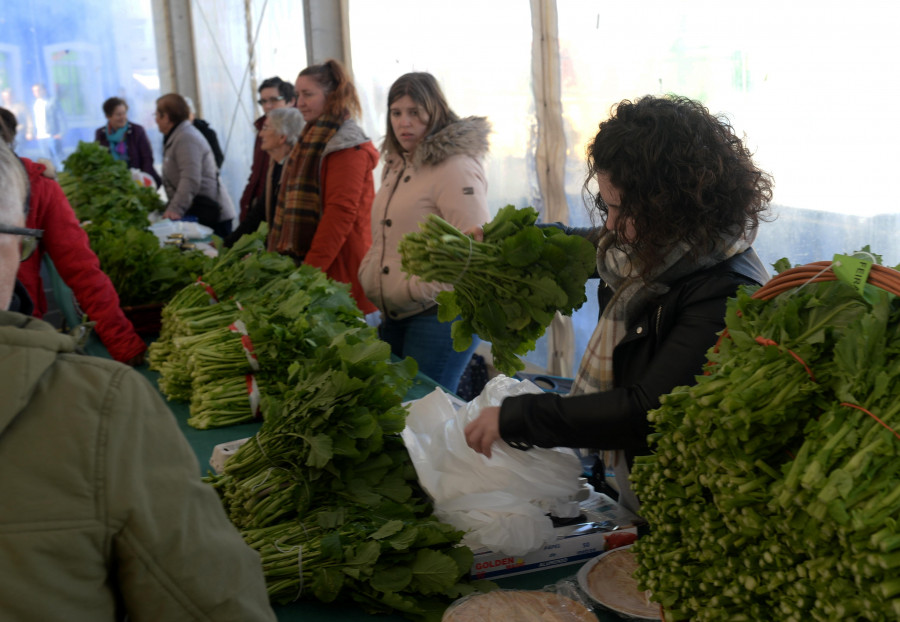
{"points": [[238, 274], [326, 491], [387, 558], [100, 188], [142, 271], [288, 321], [225, 357], [115, 211], [774, 488], [507, 288]]}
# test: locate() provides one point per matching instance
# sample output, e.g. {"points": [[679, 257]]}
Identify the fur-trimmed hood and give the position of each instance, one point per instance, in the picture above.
{"points": [[468, 136]]}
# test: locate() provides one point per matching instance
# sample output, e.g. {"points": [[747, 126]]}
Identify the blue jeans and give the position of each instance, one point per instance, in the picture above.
{"points": [[429, 343]]}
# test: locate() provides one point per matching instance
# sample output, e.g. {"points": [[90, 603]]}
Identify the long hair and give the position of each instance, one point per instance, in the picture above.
{"points": [[682, 173], [340, 94], [425, 91]]}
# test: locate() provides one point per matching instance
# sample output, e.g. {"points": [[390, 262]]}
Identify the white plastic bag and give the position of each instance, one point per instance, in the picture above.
{"points": [[503, 501], [189, 229]]}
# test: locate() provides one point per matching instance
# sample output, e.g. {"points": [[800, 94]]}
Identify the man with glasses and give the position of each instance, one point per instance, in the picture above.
{"points": [[273, 93], [68, 247], [105, 516]]}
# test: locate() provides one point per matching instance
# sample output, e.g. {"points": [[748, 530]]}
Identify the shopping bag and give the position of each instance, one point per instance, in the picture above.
{"points": [[504, 502]]}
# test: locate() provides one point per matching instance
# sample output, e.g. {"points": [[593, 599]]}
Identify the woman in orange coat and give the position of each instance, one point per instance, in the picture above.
{"points": [[323, 213]]}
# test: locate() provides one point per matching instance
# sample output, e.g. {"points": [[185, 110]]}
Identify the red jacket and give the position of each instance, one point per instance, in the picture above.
{"points": [[344, 233], [256, 185], [67, 244]]}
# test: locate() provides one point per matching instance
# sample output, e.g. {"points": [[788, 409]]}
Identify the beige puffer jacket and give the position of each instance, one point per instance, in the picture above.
{"points": [[445, 176], [103, 510]]}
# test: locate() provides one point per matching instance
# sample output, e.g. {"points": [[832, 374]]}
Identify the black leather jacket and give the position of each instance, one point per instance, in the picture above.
{"points": [[665, 348]]}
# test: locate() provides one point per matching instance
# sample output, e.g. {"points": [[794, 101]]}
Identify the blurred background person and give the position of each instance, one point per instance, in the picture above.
{"points": [[125, 140], [190, 175], [433, 165], [46, 125], [278, 135], [274, 93], [208, 133], [18, 110], [323, 213], [67, 245]]}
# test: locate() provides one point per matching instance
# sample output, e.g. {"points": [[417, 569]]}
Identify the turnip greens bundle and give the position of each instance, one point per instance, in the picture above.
{"points": [[224, 356], [773, 492], [507, 288], [326, 491]]}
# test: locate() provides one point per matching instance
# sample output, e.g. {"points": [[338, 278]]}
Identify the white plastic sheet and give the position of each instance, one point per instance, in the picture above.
{"points": [[501, 502]]}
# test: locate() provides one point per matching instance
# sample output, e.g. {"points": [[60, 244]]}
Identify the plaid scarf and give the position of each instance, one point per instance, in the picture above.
{"points": [[632, 294], [299, 205]]}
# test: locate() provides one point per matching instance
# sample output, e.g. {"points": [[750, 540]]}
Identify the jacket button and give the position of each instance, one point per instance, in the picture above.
{"points": [[386, 269], [387, 223], [640, 329], [406, 179]]}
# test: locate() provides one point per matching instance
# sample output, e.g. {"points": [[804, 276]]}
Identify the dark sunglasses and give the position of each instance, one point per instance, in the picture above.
{"points": [[30, 238]]}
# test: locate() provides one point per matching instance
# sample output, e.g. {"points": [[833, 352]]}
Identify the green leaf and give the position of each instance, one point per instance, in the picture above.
{"points": [[448, 309], [524, 247], [320, 450], [365, 554], [433, 572], [327, 583], [388, 529], [391, 578], [463, 557], [331, 546], [405, 539]]}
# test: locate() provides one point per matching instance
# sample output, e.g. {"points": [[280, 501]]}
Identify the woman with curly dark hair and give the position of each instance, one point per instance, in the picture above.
{"points": [[681, 201]]}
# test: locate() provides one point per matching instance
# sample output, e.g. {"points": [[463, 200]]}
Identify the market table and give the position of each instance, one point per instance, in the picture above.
{"points": [[204, 441]]}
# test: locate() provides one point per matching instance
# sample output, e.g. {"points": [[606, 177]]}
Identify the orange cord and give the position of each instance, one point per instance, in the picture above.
{"points": [[894, 432]]}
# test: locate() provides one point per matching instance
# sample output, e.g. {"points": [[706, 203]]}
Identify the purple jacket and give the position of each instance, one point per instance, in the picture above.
{"points": [[140, 155]]}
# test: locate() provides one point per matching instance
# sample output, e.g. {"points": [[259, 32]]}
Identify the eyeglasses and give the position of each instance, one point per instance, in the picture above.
{"points": [[30, 238], [271, 100]]}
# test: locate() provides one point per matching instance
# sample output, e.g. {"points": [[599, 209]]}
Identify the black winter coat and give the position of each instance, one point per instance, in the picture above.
{"points": [[666, 347]]}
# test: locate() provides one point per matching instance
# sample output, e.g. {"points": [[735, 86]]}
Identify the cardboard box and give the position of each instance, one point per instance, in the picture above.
{"points": [[606, 526]]}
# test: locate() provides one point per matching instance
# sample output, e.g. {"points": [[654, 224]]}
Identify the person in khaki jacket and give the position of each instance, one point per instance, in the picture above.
{"points": [[433, 165], [103, 513]]}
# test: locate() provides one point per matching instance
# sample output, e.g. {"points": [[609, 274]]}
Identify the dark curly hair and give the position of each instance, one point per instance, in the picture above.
{"points": [[683, 175]]}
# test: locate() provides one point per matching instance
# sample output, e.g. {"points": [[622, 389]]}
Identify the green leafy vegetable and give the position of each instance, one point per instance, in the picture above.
{"points": [[507, 288], [100, 188], [773, 492], [140, 269]]}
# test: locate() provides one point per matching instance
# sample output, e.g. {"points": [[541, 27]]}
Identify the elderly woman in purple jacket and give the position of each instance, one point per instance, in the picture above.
{"points": [[125, 140]]}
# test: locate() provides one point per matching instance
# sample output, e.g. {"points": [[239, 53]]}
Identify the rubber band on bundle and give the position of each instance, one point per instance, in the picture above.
{"points": [[894, 432]]}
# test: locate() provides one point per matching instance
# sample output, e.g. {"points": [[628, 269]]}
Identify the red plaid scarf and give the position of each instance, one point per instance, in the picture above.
{"points": [[299, 205]]}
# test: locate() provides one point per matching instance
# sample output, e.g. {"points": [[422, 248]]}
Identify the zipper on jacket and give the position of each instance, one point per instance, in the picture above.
{"points": [[658, 316]]}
